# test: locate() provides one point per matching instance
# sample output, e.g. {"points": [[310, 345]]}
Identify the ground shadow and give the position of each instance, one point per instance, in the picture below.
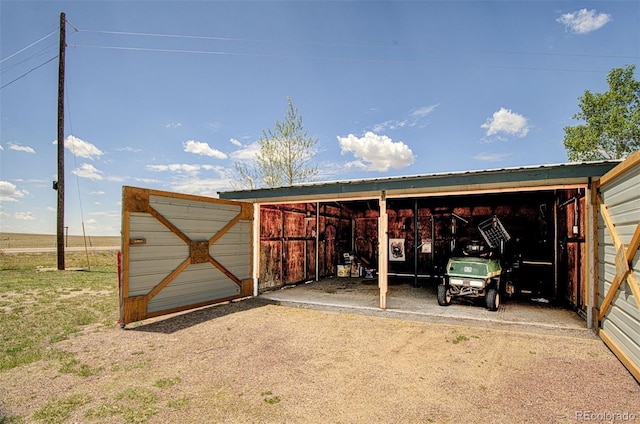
{"points": [[182, 321]]}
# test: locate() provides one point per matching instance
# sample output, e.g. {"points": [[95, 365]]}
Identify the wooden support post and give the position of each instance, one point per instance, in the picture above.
{"points": [[383, 251], [60, 182]]}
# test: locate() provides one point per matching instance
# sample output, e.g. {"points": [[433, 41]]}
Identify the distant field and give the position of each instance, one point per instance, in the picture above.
{"points": [[21, 240]]}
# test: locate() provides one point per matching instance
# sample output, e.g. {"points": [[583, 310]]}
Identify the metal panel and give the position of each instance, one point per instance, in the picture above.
{"points": [[618, 235], [514, 179], [181, 252]]}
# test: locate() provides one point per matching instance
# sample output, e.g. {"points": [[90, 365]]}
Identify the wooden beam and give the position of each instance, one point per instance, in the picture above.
{"points": [[593, 208], [383, 251], [609, 222], [622, 356], [157, 215], [624, 258], [225, 271], [224, 229], [625, 166], [168, 279], [124, 245], [135, 309], [632, 281], [634, 244]]}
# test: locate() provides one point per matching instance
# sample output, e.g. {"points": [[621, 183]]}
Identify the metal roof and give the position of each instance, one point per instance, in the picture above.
{"points": [[539, 176]]}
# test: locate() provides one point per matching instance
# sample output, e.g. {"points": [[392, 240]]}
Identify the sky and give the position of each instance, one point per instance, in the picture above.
{"points": [[170, 95]]}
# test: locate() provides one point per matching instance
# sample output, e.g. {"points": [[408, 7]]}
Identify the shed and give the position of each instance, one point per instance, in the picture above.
{"points": [[574, 236]]}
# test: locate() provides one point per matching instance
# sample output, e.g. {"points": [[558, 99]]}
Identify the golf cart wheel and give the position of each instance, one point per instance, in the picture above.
{"points": [[444, 295], [493, 300]]}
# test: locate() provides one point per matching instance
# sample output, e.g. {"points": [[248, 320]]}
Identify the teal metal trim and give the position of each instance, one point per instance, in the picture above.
{"points": [[568, 171]]}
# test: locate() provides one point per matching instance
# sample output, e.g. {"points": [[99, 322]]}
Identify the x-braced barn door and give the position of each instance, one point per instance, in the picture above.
{"points": [[181, 252], [617, 198]]}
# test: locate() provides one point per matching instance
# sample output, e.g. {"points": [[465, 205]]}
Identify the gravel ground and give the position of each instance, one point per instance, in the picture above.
{"points": [[254, 361]]}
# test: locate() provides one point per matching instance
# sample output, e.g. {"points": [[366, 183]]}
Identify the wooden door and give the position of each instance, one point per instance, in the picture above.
{"points": [[181, 252], [617, 199]]}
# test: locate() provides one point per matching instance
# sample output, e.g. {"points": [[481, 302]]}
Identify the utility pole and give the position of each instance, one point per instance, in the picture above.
{"points": [[59, 185]]}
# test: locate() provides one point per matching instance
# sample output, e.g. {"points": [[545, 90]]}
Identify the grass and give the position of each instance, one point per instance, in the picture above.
{"points": [[134, 405], [269, 398], [40, 308], [164, 383], [59, 410], [22, 240]]}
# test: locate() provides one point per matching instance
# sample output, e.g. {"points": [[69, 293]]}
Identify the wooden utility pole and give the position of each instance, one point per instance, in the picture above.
{"points": [[59, 186]]}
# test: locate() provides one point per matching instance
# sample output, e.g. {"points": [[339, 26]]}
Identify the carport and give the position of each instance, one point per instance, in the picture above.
{"points": [[574, 236], [405, 228]]}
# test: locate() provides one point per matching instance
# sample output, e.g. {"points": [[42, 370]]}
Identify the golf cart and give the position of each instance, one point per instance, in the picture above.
{"points": [[477, 273]]}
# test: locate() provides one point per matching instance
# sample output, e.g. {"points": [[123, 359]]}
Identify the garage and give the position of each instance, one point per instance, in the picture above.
{"points": [[428, 219], [541, 219]]}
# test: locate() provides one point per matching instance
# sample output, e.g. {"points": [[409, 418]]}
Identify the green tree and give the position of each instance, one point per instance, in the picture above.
{"points": [[611, 128], [284, 155]]}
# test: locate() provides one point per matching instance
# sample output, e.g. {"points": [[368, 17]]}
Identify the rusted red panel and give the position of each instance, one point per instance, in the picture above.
{"points": [[366, 239], [464, 212], [270, 265], [270, 223], [311, 259], [572, 252], [503, 210], [294, 224], [573, 275], [330, 241], [294, 262], [482, 211]]}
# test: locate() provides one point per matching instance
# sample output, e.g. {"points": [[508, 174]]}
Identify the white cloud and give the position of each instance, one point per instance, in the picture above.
{"points": [[202, 149], [51, 209], [128, 149], [505, 121], [184, 168], [235, 142], [97, 193], [491, 157], [19, 148], [24, 216], [424, 111], [246, 153], [81, 148], [377, 152], [148, 180], [584, 21], [215, 126], [9, 192], [89, 171], [415, 118], [202, 187], [173, 125]]}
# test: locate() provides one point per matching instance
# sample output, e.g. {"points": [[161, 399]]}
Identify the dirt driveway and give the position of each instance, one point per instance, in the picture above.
{"points": [[256, 361]]}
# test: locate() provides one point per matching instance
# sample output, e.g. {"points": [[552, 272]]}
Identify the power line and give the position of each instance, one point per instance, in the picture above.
{"points": [[40, 52], [326, 58], [350, 45], [30, 45], [28, 72]]}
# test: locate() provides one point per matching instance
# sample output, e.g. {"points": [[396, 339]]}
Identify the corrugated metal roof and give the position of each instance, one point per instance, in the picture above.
{"points": [[538, 175]]}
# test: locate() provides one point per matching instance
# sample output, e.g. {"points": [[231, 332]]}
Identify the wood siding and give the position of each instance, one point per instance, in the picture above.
{"points": [[618, 235], [182, 251]]}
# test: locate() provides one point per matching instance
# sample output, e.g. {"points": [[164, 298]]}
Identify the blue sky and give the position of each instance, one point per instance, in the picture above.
{"points": [[168, 95]]}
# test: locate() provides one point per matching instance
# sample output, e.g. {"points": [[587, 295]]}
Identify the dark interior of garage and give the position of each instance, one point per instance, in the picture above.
{"points": [[543, 255]]}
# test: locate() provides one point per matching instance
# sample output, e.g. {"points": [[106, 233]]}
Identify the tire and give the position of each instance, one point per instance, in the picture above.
{"points": [[493, 299], [444, 295]]}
